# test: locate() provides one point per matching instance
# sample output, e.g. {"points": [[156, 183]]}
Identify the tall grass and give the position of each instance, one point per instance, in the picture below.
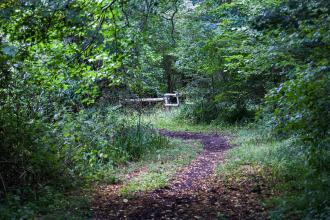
{"points": [[71, 152], [94, 139], [161, 165], [302, 193], [171, 120], [300, 190]]}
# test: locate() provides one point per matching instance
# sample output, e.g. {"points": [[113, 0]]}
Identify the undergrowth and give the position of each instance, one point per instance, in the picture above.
{"points": [[160, 166], [42, 165], [170, 120], [300, 192]]}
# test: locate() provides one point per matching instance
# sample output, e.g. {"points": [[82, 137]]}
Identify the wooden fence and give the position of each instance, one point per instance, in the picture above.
{"points": [[166, 99]]}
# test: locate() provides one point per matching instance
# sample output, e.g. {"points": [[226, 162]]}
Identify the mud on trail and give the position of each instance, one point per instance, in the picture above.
{"points": [[193, 192]]}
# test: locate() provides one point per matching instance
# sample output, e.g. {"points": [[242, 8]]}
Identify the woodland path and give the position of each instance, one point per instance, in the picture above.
{"points": [[193, 193], [203, 166]]}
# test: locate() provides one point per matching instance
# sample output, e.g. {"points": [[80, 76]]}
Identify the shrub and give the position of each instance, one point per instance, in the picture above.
{"points": [[28, 154], [208, 111], [199, 112], [136, 140], [300, 192], [301, 107], [74, 149], [105, 137]]}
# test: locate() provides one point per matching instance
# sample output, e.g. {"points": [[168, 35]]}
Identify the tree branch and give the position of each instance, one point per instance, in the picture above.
{"points": [[173, 22]]}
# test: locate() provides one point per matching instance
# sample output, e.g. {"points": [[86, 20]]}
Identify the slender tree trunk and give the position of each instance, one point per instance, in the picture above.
{"points": [[167, 66]]}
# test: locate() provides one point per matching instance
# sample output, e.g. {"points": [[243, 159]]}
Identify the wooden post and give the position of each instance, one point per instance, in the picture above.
{"points": [[177, 99], [167, 107]]}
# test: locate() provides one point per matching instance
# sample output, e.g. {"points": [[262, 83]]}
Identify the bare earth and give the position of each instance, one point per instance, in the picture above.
{"points": [[193, 193]]}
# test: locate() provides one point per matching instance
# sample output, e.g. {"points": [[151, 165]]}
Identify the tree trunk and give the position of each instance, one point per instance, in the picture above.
{"points": [[167, 66]]}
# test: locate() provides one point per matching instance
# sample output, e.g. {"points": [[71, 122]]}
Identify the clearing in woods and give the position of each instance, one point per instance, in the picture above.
{"points": [[193, 192]]}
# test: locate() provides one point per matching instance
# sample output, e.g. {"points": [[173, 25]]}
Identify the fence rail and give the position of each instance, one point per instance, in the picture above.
{"points": [[166, 99]]}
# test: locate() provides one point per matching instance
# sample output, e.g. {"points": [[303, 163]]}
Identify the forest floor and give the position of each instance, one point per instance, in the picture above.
{"points": [[193, 192]]}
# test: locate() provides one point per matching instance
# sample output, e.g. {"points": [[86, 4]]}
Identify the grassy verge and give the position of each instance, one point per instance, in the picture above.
{"points": [[159, 167], [169, 120], [295, 190], [156, 166], [298, 192]]}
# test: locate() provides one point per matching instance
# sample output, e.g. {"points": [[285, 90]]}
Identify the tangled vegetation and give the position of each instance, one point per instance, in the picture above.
{"points": [[67, 67]]}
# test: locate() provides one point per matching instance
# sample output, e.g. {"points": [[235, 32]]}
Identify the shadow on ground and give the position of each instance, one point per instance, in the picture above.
{"points": [[193, 193]]}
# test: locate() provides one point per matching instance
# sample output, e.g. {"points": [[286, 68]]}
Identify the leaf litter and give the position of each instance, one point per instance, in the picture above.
{"points": [[194, 192]]}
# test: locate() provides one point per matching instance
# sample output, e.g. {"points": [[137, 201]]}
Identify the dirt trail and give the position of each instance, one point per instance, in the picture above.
{"points": [[203, 166], [193, 193]]}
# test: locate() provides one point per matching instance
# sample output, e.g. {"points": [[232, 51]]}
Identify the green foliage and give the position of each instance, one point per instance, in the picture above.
{"points": [[132, 142], [160, 166], [145, 182], [61, 61], [301, 107], [300, 191], [226, 75], [250, 48], [200, 112], [28, 152], [212, 112], [76, 149], [56, 60], [173, 121], [50, 204], [94, 140]]}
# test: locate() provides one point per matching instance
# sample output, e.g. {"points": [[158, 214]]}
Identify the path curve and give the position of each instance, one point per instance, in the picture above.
{"points": [[180, 199], [214, 146]]}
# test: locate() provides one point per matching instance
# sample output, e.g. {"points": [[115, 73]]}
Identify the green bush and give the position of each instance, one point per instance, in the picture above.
{"points": [[28, 154], [199, 112], [208, 111], [301, 107], [75, 149], [93, 137], [301, 192], [131, 142]]}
